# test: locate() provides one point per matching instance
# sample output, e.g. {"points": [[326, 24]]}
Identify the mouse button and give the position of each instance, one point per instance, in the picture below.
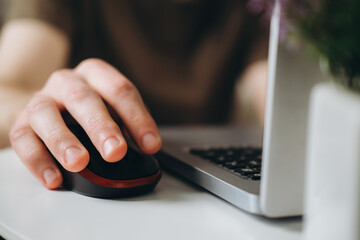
{"points": [[83, 138], [147, 165], [121, 170]]}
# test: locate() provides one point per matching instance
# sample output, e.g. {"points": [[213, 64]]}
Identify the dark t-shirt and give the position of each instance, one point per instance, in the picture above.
{"points": [[183, 55]]}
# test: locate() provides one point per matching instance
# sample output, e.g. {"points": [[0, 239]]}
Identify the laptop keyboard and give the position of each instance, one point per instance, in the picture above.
{"points": [[243, 161]]}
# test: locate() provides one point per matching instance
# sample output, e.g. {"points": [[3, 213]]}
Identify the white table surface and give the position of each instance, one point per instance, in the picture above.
{"points": [[175, 210]]}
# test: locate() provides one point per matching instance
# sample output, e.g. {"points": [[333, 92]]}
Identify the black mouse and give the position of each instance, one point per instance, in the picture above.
{"points": [[133, 175]]}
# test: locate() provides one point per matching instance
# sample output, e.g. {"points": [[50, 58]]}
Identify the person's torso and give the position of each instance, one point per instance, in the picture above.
{"points": [[183, 56]]}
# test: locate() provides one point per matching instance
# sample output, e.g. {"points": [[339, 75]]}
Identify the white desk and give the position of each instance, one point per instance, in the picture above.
{"points": [[175, 210]]}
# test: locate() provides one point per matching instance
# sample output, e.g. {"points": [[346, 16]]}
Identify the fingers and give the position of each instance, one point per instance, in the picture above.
{"points": [[34, 155], [81, 92], [122, 95], [89, 110], [45, 120]]}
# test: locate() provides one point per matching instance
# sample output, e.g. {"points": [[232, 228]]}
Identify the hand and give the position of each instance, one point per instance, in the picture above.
{"points": [[80, 92]]}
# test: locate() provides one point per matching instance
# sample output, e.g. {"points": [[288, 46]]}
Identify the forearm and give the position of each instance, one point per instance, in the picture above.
{"points": [[12, 101], [251, 87], [30, 51], [28, 64], [251, 94]]}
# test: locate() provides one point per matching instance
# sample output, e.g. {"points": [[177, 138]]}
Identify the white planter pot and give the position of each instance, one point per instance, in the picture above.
{"points": [[332, 194]]}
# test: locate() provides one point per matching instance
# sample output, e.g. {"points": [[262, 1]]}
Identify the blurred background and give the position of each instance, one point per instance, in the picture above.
{"points": [[195, 62]]}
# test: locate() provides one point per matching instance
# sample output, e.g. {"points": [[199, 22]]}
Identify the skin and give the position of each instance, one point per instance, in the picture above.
{"points": [[40, 126], [36, 90], [251, 97]]}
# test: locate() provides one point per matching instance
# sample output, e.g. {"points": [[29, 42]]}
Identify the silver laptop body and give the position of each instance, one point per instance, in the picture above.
{"points": [[279, 193]]}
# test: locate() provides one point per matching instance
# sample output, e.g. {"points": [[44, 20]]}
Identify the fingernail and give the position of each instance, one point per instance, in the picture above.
{"points": [[49, 175], [110, 145], [149, 141], [72, 154]]}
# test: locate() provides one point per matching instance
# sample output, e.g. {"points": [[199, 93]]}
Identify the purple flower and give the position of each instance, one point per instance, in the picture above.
{"points": [[298, 8], [331, 26], [265, 9], [290, 9], [263, 6]]}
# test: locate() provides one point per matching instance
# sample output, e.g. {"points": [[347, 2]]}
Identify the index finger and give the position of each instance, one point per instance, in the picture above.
{"points": [[123, 96]]}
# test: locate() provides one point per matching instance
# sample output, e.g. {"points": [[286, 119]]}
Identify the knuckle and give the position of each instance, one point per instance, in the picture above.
{"points": [[91, 63], [93, 121], [30, 157], [60, 75], [37, 104], [121, 87], [16, 133], [138, 117], [57, 81], [101, 125], [97, 122], [78, 93], [58, 140], [54, 138]]}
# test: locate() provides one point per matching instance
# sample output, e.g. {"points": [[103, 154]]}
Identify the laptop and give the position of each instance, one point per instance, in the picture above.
{"points": [[258, 170]]}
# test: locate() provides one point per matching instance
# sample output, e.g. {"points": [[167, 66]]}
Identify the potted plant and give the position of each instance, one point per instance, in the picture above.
{"points": [[332, 188], [332, 195]]}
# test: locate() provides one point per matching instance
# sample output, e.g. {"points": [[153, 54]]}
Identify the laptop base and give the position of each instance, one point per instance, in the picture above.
{"points": [[176, 157]]}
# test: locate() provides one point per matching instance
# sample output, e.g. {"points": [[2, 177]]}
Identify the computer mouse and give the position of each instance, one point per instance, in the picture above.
{"points": [[133, 175]]}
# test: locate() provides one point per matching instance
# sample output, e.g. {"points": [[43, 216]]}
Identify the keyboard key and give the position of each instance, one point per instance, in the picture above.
{"points": [[245, 161], [222, 159], [256, 176], [247, 171], [254, 163], [233, 164], [197, 152]]}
